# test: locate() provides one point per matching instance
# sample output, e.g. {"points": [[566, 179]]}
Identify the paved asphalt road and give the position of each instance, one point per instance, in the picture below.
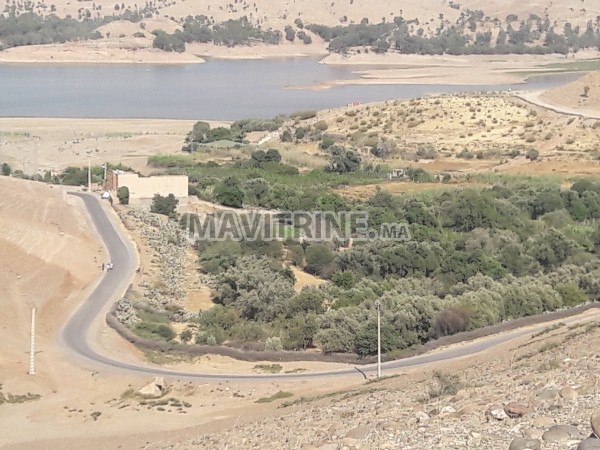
{"points": [[77, 335]]}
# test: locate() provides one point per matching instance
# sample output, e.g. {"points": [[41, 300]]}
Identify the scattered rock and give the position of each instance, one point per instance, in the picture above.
{"points": [[543, 422], [497, 414], [514, 410], [589, 444], [548, 394], [358, 432], [421, 416], [561, 433], [595, 421], [157, 388], [525, 444], [568, 393]]}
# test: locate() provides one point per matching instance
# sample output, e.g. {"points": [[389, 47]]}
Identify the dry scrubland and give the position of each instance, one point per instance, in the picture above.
{"points": [[537, 393], [32, 144], [126, 42]]}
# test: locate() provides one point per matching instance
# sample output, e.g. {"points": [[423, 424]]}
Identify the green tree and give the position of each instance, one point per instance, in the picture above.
{"points": [[230, 193], [342, 160], [123, 195], [6, 169], [317, 257], [165, 205]]}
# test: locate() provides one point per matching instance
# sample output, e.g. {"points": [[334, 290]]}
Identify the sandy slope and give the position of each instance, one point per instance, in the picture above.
{"points": [[573, 95]]}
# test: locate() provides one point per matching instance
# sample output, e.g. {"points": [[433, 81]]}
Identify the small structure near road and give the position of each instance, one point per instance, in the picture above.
{"points": [[143, 189]]}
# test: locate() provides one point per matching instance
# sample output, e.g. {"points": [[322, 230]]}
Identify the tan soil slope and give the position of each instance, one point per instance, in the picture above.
{"points": [[47, 254], [573, 95]]}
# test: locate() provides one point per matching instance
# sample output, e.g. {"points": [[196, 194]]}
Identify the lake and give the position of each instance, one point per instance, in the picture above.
{"points": [[217, 90]]}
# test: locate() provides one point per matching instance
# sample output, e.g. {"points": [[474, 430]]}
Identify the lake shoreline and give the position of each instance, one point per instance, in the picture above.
{"points": [[370, 68]]}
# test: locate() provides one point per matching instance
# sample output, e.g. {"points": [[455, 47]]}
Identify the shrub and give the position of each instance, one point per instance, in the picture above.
{"points": [[164, 205], [123, 195], [532, 154], [321, 125], [273, 344]]}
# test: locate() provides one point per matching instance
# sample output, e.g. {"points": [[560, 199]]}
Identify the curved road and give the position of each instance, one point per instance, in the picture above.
{"points": [[77, 335]]}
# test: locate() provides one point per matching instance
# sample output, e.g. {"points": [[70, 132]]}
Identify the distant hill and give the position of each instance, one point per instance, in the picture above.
{"points": [[423, 27]]}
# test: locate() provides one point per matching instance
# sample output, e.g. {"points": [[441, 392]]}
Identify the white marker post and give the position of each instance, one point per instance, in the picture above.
{"points": [[32, 344], [378, 305]]}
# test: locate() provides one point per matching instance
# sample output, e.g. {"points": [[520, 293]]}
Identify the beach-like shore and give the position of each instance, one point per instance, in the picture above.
{"points": [[391, 68]]}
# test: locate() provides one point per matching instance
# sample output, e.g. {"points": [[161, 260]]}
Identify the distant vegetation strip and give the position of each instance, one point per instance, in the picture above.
{"points": [[472, 33]]}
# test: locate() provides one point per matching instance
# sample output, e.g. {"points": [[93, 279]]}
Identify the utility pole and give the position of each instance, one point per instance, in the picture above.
{"points": [[32, 344], [89, 175], [378, 340]]}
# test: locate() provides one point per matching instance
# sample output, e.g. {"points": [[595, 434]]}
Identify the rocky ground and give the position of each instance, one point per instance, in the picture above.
{"points": [[544, 395], [162, 289]]}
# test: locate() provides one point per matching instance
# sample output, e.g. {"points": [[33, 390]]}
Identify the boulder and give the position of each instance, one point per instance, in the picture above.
{"points": [[156, 388], [595, 421], [525, 444], [358, 433], [543, 422], [514, 410], [496, 413], [561, 433], [568, 393], [589, 444], [547, 394]]}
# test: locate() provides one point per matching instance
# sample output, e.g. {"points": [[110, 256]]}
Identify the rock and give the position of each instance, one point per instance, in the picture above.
{"points": [[589, 444], [543, 422], [561, 433], [358, 432], [350, 442], [421, 416], [525, 444], [447, 410], [156, 388], [533, 433], [568, 393], [514, 410], [595, 421], [497, 414], [548, 394], [585, 388]]}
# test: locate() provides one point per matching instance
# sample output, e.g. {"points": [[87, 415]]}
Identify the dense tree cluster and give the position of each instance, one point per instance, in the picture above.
{"points": [[473, 33], [477, 257], [230, 33], [33, 29]]}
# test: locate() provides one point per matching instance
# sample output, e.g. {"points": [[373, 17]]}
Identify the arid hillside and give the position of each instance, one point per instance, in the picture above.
{"points": [[537, 393], [271, 13], [457, 134], [582, 95]]}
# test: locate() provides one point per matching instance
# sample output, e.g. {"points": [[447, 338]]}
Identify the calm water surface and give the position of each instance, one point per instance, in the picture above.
{"points": [[218, 89]]}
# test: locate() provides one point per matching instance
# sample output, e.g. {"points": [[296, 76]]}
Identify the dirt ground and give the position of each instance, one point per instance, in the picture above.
{"points": [[39, 144]]}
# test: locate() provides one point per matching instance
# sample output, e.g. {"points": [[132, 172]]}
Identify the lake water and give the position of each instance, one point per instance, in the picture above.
{"points": [[218, 89]]}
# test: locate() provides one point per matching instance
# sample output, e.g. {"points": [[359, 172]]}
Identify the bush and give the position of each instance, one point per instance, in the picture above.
{"points": [[123, 195], [273, 344], [321, 125], [532, 154], [164, 205], [318, 256], [6, 169]]}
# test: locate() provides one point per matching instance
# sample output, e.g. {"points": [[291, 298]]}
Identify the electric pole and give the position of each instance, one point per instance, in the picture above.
{"points": [[32, 344], [378, 306]]}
